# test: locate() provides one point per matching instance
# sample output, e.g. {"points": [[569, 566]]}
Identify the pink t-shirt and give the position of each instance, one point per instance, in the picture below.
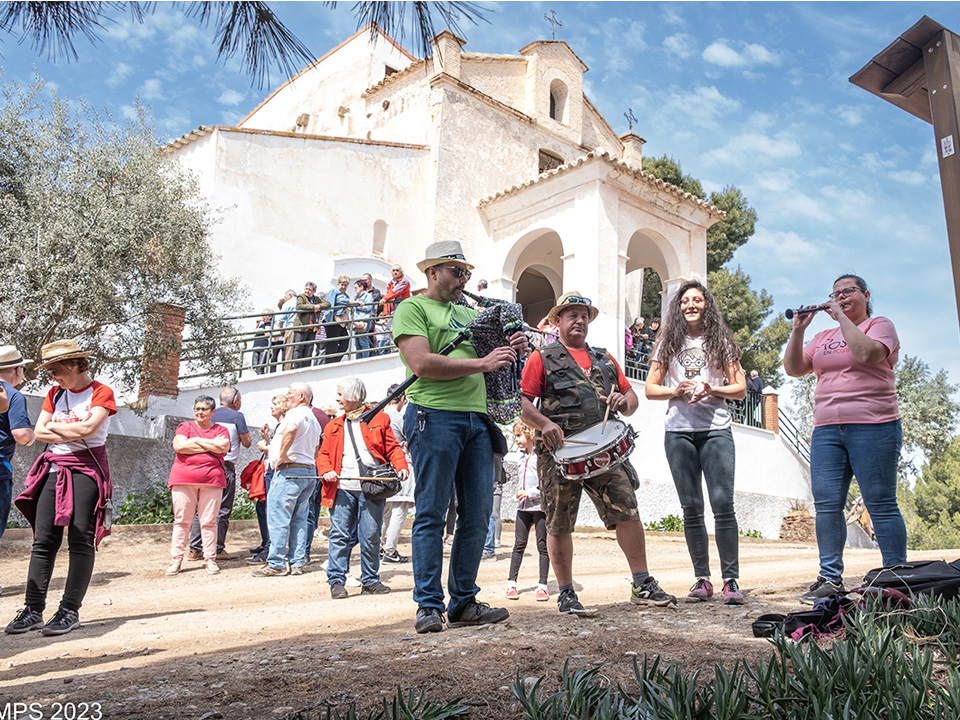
{"points": [[204, 468], [849, 391]]}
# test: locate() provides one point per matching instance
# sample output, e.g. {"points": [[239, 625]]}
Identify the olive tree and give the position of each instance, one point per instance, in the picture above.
{"points": [[96, 226]]}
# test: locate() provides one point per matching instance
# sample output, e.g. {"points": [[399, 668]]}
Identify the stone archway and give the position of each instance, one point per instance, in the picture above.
{"points": [[534, 266], [646, 249], [536, 294]]}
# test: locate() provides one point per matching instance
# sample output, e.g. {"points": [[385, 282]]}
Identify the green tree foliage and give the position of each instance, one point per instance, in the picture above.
{"points": [[928, 412], [931, 509], [745, 312], [744, 309], [97, 225]]}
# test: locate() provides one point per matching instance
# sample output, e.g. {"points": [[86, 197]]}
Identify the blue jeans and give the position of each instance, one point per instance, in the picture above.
{"points": [[869, 451], [449, 450], [261, 509], [364, 343], [353, 513], [288, 503], [6, 497], [710, 455]]}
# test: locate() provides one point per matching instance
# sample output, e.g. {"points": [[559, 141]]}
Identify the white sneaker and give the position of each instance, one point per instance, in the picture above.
{"points": [[352, 582]]}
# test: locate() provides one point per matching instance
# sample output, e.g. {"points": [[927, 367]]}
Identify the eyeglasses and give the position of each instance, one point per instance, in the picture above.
{"points": [[202, 409], [458, 271], [576, 300], [845, 292]]}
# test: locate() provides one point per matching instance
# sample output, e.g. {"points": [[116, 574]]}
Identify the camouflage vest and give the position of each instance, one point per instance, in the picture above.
{"points": [[570, 398]]}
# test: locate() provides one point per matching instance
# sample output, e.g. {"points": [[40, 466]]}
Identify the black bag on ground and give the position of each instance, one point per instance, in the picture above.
{"points": [[928, 577], [824, 619], [387, 483]]}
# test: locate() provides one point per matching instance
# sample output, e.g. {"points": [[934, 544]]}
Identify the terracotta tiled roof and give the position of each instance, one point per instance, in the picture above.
{"points": [[600, 153], [190, 137], [390, 79], [489, 57]]}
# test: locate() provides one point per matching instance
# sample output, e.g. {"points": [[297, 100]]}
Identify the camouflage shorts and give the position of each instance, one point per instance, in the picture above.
{"points": [[612, 493]]}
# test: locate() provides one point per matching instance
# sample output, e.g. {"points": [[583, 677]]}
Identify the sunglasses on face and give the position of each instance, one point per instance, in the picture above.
{"points": [[459, 272], [845, 292]]}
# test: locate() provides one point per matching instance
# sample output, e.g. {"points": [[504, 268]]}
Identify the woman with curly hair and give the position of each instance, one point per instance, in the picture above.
{"points": [[696, 367]]}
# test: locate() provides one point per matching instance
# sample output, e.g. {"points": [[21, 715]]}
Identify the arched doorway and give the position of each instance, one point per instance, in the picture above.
{"points": [[535, 265], [535, 293]]}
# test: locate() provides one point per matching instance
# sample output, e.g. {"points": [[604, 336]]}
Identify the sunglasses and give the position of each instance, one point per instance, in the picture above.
{"points": [[577, 300], [458, 271]]}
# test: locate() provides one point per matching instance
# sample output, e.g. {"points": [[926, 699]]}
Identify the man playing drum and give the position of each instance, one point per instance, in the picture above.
{"points": [[578, 386]]}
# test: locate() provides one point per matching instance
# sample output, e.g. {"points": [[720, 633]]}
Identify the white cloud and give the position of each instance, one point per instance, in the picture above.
{"points": [[619, 56], [753, 148], [128, 112], [849, 114], [152, 89], [680, 44], [778, 181], [788, 246], [231, 97], [801, 205], [703, 106], [722, 54], [671, 15], [910, 177], [121, 71]]}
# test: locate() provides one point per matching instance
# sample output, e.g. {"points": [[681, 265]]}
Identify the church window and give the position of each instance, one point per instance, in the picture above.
{"points": [[379, 237], [558, 100], [549, 161]]}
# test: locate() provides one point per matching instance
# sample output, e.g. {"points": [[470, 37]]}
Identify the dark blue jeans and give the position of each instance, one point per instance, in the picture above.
{"points": [[870, 452], [711, 455], [449, 450]]}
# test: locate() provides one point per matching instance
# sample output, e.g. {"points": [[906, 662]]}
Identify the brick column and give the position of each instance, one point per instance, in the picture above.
{"points": [[162, 344], [771, 413]]}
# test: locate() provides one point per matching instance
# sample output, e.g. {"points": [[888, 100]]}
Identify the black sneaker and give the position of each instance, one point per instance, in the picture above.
{"points": [[61, 623], [568, 602], [428, 620], [477, 613], [377, 588], [26, 620], [259, 559], [820, 589], [393, 557], [338, 591], [650, 592], [257, 550]]}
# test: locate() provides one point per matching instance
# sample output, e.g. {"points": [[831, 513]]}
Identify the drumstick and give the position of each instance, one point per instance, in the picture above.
{"points": [[605, 416], [578, 442]]}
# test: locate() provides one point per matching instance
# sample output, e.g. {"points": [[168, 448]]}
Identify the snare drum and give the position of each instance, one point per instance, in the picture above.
{"points": [[607, 450]]}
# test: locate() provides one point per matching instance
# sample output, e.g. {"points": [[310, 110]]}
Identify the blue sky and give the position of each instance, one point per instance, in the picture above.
{"points": [[750, 94]]}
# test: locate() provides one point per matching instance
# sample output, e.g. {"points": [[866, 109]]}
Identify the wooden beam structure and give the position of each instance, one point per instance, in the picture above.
{"points": [[920, 72]]}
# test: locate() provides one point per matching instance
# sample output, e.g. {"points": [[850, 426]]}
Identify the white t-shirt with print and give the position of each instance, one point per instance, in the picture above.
{"points": [[77, 406], [710, 413]]}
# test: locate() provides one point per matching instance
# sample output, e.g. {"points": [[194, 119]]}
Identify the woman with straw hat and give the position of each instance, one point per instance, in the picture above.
{"points": [[68, 487]]}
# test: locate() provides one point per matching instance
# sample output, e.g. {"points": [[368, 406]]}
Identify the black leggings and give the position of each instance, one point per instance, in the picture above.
{"points": [[47, 538], [524, 520]]}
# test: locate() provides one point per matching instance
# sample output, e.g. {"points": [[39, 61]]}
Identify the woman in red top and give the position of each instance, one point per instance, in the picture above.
{"points": [[67, 487], [197, 480], [346, 439]]}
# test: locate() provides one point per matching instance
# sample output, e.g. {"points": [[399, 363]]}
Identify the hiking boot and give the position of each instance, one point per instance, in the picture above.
{"points": [[338, 591], [26, 620], [568, 602], [542, 594], [195, 555], [377, 588], [61, 623], [259, 559], [650, 592], [173, 568], [297, 570], [393, 557], [269, 571], [512, 592], [731, 593], [477, 613], [820, 589], [428, 620], [702, 590]]}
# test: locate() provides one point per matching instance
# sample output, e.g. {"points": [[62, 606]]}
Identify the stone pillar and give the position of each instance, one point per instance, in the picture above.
{"points": [[162, 344], [632, 150], [771, 413], [446, 54]]}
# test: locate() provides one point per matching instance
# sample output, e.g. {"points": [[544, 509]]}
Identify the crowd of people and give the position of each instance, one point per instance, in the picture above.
{"points": [[443, 456], [309, 328]]}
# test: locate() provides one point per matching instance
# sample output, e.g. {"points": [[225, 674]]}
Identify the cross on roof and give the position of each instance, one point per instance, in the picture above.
{"points": [[631, 118], [554, 23]]}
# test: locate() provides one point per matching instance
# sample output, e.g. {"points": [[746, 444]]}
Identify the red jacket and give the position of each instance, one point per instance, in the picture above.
{"points": [[379, 440]]}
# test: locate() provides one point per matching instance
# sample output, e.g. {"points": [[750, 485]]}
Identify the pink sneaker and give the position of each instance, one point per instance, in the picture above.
{"points": [[513, 593], [542, 594], [732, 594], [703, 590]]}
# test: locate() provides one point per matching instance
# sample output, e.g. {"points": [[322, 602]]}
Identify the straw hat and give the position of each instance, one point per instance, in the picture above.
{"points": [[570, 299], [443, 252], [10, 357], [60, 350]]}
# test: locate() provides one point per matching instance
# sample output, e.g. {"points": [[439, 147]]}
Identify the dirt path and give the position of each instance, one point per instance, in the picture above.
{"points": [[234, 646]]}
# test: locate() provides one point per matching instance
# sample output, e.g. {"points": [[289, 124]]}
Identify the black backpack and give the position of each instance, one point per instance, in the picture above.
{"points": [[928, 577]]}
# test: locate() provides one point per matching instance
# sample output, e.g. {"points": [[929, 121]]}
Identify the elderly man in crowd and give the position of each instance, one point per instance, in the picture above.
{"points": [[397, 290], [228, 415], [293, 484], [576, 384], [450, 439]]}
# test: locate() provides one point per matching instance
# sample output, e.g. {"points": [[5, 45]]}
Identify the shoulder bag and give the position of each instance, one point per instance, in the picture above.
{"points": [[385, 482]]}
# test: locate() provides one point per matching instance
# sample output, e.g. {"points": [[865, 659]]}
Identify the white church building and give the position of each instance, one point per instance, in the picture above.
{"points": [[369, 155]]}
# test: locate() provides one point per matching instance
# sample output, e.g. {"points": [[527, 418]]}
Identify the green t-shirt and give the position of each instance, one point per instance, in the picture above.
{"points": [[440, 323]]}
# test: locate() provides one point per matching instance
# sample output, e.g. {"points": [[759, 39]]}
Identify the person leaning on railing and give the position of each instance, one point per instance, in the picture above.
{"points": [[336, 321], [305, 323], [284, 321]]}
